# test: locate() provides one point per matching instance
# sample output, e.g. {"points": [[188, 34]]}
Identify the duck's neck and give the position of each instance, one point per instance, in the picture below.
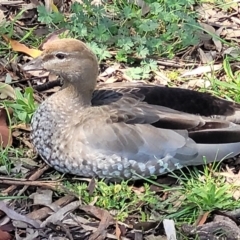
{"points": [[79, 91], [82, 98]]}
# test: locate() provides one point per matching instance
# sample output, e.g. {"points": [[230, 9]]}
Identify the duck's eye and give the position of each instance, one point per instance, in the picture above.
{"points": [[60, 56]]}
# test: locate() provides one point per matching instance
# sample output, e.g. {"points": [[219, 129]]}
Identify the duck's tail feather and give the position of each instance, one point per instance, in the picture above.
{"points": [[215, 152]]}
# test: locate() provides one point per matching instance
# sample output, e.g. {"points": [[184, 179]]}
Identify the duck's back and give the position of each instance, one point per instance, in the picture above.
{"points": [[184, 100]]}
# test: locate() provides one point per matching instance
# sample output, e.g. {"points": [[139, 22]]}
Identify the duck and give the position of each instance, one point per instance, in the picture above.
{"points": [[125, 130]]}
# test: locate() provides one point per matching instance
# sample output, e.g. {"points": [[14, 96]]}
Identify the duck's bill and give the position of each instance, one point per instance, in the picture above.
{"points": [[35, 64]]}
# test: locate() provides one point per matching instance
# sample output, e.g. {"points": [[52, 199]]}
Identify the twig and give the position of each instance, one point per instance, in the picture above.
{"points": [[34, 176]]}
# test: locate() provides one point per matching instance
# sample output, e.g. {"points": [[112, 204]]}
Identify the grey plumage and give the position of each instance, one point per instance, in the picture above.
{"points": [[120, 129]]}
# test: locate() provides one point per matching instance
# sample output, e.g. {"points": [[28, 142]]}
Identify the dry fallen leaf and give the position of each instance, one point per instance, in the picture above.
{"points": [[231, 33], [19, 47], [118, 231], [202, 218], [2, 17], [5, 235], [204, 57], [97, 212], [61, 213], [16, 216], [236, 195], [111, 80], [5, 133], [6, 91], [110, 70], [106, 220], [50, 6], [142, 4], [202, 70], [169, 228], [42, 197], [22, 126]]}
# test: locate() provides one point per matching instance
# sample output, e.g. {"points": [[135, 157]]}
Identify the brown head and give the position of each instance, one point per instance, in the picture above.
{"points": [[72, 60]]}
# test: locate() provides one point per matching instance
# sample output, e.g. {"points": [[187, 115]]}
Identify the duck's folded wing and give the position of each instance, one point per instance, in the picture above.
{"points": [[138, 142], [149, 150], [133, 111], [184, 100], [127, 133]]}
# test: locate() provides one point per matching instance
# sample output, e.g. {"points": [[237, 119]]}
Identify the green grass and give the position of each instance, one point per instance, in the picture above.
{"points": [[227, 85], [120, 199], [203, 191], [6, 156]]}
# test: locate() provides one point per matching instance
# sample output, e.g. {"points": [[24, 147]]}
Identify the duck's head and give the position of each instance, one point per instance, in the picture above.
{"points": [[72, 60]]}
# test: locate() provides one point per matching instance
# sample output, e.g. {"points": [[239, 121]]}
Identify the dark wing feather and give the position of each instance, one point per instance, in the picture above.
{"points": [[150, 104], [183, 100]]}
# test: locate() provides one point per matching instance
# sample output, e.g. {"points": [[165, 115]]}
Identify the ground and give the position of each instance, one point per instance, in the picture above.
{"points": [[188, 44]]}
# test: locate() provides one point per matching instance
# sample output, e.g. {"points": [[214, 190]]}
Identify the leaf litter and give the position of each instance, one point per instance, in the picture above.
{"points": [[5, 132], [46, 212]]}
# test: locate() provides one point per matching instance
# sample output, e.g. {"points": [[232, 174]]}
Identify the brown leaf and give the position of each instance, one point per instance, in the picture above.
{"points": [[236, 195], [110, 70], [96, 211], [104, 216], [19, 47], [6, 91], [231, 33], [22, 126], [111, 79], [138, 190], [5, 133], [91, 186], [202, 218], [118, 232], [216, 41], [145, 226], [5, 235]]}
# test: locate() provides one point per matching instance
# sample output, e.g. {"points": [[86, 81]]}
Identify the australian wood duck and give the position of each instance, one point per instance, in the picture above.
{"points": [[116, 130]]}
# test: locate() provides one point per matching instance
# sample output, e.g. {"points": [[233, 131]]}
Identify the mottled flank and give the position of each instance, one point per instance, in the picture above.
{"points": [[123, 130]]}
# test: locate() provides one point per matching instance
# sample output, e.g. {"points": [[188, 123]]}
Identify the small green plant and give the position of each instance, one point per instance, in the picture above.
{"points": [[169, 26], [24, 105], [203, 191], [5, 157], [53, 18], [117, 197], [142, 72], [226, 85]]}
